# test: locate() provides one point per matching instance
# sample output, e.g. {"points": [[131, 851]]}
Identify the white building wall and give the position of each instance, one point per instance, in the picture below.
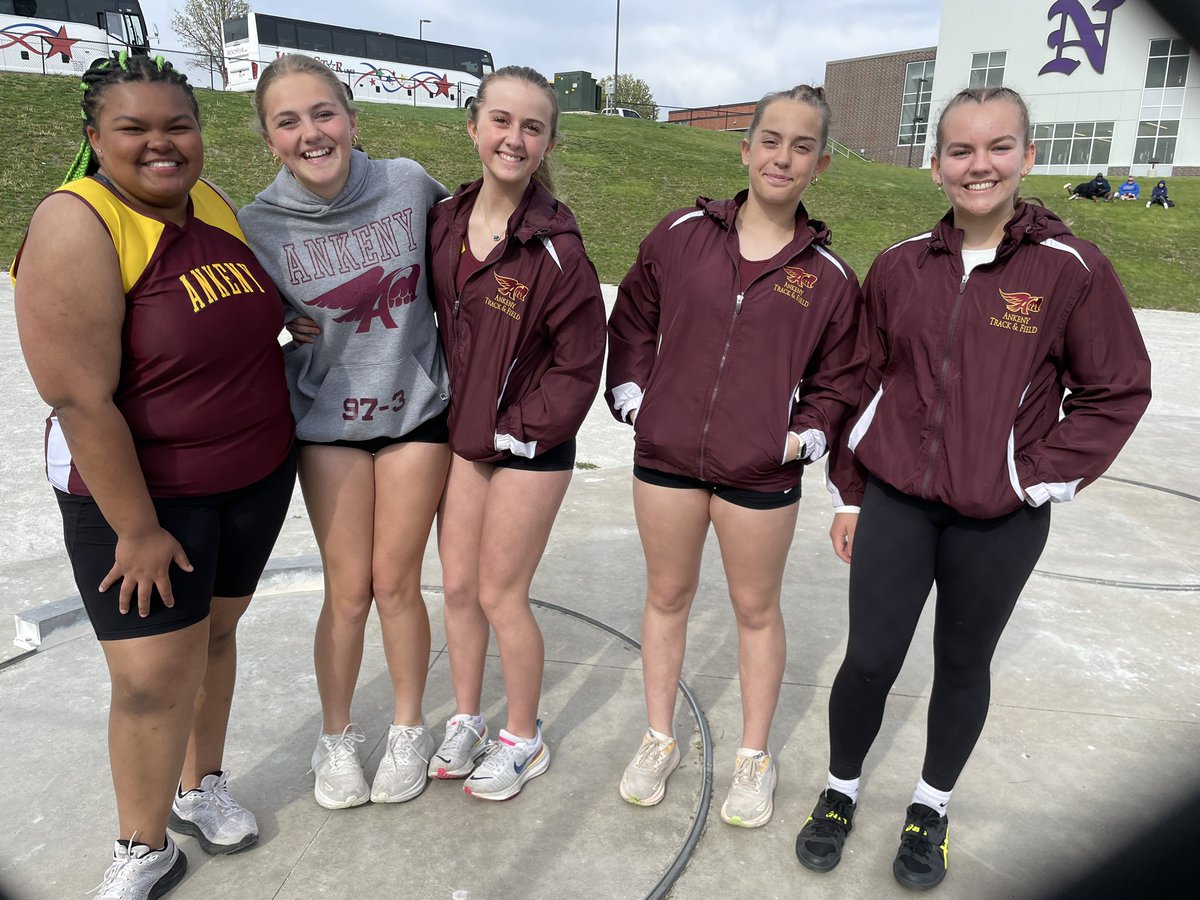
{"points": [[1022, 28]]}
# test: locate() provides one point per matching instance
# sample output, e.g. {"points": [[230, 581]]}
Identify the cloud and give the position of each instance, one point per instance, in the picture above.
{"points": [[690, 52]]}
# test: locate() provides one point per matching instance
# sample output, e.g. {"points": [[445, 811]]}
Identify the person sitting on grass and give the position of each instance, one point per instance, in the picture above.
{"points": [[1129, 189], [1159, 195]]}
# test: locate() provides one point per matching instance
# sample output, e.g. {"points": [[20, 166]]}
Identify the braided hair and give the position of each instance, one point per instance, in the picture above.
{"points": [[122, 68]]}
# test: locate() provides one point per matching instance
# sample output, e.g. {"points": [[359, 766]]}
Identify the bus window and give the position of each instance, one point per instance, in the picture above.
{"points": [[286, 32], [485, 60], [349, 43], [50, 9], [314, 38], [381, 47], [439, 56], [410, 51], [237, 29], [467, 61]]}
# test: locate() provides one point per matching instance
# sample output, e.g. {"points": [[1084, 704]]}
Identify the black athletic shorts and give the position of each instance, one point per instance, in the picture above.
{"points": [[228, 538], [556, 459], [743, 497], [432, 431]]}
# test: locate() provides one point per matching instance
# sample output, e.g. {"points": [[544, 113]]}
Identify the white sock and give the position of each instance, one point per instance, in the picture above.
{"points": [[931, 797], [849, 787], [521, 743], [747, 751], [659, 736], [474, 721]]}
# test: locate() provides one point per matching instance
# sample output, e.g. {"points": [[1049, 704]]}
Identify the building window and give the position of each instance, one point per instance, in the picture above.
{"points": [[1073, 144], [987, 69], [1168, 64], [914, 107], [1156, 141]]}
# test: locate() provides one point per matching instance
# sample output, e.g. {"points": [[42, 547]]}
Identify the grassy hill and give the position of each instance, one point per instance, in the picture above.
{"points": [[620, 176]]}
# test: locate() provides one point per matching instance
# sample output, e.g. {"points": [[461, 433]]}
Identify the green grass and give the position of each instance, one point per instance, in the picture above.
{"points": [[620, 176]]}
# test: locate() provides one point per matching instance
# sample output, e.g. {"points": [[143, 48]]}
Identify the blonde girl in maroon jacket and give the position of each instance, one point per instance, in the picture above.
{"points": [[732, 352], [1005, 371], [522, 323]]}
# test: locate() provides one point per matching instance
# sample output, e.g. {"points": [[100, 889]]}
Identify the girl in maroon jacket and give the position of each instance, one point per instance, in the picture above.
{"points": [[975, 332], [522, 323], [732, 352]]}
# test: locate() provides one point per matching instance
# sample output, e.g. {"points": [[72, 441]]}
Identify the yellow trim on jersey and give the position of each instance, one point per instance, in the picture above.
{"points": [[137, 236]]}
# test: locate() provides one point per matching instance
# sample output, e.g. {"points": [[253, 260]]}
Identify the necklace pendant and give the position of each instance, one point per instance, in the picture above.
{"points": [[495, 237]]}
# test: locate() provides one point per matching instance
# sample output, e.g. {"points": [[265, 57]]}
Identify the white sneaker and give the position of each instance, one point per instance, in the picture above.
{"points": [[1147, 204], [507, 766], [139, 873], [461, 749], [645, 780], [751, 798], [404, 769], [212, 817], [339, 782]]}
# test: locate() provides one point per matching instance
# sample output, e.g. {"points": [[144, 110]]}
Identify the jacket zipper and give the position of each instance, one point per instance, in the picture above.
{"points": [[712, 401], [935, 445]]}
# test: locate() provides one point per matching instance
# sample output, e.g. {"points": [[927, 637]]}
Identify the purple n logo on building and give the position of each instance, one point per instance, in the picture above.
{"points": [[1092, 37]]}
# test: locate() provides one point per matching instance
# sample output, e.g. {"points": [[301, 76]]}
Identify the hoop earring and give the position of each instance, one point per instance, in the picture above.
{"points": [[355, 142], [815, 179], [275, 159]]}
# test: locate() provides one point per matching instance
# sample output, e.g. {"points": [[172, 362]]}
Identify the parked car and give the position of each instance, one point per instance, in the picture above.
{"points": [[620, 111]]}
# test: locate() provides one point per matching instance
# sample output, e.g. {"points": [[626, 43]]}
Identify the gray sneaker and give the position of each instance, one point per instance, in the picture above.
{"points": [[506, 768], [750, 800], [461, 749], [340, 782], [645, 780], [139, 873], [212, 817], [404, 769]]}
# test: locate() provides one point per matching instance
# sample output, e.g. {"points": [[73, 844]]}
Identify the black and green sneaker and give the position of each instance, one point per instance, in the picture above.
{"points": [[819, 843], [922, 860]]}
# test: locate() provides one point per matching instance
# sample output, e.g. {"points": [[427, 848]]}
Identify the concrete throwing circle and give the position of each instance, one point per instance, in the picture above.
{"points": [[1128, 529]]}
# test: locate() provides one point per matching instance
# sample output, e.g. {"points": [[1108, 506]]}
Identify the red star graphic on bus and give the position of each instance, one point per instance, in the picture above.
{"points": [[443, 87], [60, 43]]}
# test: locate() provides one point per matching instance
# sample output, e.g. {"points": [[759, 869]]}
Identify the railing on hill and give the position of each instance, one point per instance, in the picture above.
{"points": [[843, 150]]}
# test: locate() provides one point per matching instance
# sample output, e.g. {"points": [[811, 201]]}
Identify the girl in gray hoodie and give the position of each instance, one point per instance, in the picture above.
{"points": [[343, 238]]}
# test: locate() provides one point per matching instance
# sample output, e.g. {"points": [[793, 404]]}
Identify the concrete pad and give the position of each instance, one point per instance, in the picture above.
{"points": [[1094, 727]]}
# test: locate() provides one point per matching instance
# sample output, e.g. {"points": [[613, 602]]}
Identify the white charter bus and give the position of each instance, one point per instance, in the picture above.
{"points": [[377, 67], [62, 37]]}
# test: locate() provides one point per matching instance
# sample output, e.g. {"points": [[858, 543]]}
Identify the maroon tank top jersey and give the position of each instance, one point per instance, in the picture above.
{"points": [[201, 384]]}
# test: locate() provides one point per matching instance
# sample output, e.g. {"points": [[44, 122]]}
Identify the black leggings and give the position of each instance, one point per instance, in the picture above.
{"points": [[902, 546]]}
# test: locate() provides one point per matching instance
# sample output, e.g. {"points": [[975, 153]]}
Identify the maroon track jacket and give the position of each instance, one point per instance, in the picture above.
{"points": [[967, 374], [722, 376], [524, 342]]}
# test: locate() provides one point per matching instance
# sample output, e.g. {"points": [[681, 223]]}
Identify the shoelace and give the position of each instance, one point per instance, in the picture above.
{"points": [[114, 872], [342, 753], [652, 753], [220, 795], [830, 827], [748, 774], [917, 843], [458, 734], [401, 745], [498, 758]]}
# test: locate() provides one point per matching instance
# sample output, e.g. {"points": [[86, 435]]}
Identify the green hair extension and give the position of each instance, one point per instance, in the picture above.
{"points": [[79, 166]]}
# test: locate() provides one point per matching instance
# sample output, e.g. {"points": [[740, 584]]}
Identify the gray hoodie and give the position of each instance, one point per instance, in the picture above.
{"points": [[356, 265]]}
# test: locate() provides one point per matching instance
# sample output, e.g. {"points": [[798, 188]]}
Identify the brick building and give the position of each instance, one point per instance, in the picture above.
{"points": [[880, 104], [1111, 87], [726, 117]]}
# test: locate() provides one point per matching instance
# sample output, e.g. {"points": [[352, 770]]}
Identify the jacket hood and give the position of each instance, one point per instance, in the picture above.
{"points": [[724, 213], [538, 214], [1030, 223], [288, 194]]}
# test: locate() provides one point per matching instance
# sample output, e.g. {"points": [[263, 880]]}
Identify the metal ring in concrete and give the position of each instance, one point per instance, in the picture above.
{"points": [[689, 845], [1114, 582]]}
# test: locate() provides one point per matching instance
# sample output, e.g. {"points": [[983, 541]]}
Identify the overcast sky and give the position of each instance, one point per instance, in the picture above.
{"points": [[690, 52]]}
